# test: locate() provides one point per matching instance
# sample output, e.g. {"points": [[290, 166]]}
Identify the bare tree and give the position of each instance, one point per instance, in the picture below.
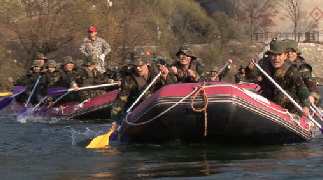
{"points": [[294, 13], [252, 13], [44, 26]]}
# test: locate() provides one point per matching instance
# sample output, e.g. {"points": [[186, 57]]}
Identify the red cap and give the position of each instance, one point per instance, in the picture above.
{"points": [[92, 29]]}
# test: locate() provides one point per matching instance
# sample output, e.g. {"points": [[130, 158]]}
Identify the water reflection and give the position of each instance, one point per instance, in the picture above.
{"points": [[208, 161], [46, 151]]}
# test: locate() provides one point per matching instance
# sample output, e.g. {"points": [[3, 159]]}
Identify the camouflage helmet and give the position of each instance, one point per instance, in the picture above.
{"points": [[127, 62], [79, 62], [67, 59], [159, 55], [110, 65], [292, 44], [241, 67], [214, 69], [41, 56], [92, 60], [140, 58], [187, 50], [51, 64], [278, 47], [36, 63]]}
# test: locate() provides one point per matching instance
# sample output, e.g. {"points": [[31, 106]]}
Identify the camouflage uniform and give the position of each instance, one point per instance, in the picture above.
{"points": [[90, 47], [28, 81], [47, 78], [241, 77], [88, 77], [96, 48], [182, 75], [65, 79], [287, 76], [210, 78], [133, 85], [112, 71], [305, 70]]}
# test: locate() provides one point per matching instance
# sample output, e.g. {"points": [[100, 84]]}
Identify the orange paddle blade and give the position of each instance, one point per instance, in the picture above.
{"points": [[100, 141]]}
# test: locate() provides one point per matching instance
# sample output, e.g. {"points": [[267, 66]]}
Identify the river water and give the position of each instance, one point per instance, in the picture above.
{"points": [[56, 150]]}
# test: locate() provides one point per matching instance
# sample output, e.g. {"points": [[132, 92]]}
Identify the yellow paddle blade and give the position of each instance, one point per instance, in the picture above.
{"points": [[100, 141]]}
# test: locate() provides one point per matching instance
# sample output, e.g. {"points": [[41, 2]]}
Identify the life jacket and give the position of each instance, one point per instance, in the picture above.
{"points": [[268, 88], [141, 81], [34, 77], [90, 77], [65, 79], [187, 79], [48, 78], [301, 62], [279, 75]]}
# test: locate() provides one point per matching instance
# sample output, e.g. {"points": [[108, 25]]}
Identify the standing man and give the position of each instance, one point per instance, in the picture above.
{"points": [[95, 46]]}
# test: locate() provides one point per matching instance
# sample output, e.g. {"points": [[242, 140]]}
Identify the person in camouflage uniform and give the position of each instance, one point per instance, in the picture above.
{"points": [[305, 69], [51, 67], [79, 63], [112, 71], [47, 78], [42, 59], [212, 76], [66, 77], [135, 82], [95, 46], [187, 69], [240, 76], [89, 76], [28, 81], [284, 73]]}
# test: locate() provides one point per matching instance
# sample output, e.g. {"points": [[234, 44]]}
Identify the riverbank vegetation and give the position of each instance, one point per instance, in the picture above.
{"points": [[56, 28]]}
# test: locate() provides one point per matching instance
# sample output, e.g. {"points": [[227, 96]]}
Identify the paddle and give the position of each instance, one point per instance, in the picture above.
{"points": [[82, 88], [60, 90], [24, 110], [217, 74], [103, 140], [6, 101], [316, 109], [289, 97]]}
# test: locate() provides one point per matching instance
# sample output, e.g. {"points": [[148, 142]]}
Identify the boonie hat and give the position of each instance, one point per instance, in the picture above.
{"points": [[139, 58], [41, 56], [187, 50], [36, 63], [292, 44], [67, 59], [51, 64], [278, 47], [214, 69], [92, 60]]}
